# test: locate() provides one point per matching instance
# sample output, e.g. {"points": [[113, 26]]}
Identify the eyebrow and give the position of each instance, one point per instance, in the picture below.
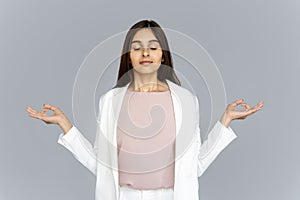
{"points": [[137, 41]]}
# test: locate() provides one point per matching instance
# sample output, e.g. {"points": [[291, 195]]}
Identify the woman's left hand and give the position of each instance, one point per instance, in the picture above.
{"points": [[231, 113]]}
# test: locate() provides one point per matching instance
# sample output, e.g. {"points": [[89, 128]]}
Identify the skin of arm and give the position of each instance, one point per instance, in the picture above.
{"points": [[225, 120], [65, 125]]}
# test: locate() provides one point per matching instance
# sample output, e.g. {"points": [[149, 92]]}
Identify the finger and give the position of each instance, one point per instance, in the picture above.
{"points": [[31, 113], [261, 104], [53, 108], [251, 111], [44, 110], [237, 102], [246, 106], [258, 106], [37, 116], [30, 110], [254, 108]]}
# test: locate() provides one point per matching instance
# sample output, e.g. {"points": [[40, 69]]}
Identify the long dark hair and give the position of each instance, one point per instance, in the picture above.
{"points": [[165, 71]]}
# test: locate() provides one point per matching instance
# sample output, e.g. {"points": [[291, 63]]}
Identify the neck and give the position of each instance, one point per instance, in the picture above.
{"points": [[145, 83]]}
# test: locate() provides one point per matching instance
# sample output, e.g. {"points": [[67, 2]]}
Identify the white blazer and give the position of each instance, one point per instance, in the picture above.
{"points": [[192, 156]]}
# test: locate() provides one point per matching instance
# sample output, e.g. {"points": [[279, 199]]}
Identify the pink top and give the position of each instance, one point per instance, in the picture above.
{"points": [[146, 140]]}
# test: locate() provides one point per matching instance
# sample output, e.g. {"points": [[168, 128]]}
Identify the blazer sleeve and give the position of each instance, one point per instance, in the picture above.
{"points": [[80, 147], [218, 138]]}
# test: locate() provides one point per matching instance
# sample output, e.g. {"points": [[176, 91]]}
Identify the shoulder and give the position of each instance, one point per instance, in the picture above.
{"points": [[181, 91], [111, 94], [108, 95], [105, 99], [184, 96]]}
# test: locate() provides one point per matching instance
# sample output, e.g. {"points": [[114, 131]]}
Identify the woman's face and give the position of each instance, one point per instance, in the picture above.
{"points": [[145, 52]]}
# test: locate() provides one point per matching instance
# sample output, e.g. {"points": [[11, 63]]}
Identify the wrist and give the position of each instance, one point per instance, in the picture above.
{"points": [[65, 125], [225, 120]]}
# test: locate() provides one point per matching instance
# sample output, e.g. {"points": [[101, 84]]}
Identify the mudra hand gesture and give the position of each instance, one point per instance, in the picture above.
{"points": [[231, 113], [58, 117]]}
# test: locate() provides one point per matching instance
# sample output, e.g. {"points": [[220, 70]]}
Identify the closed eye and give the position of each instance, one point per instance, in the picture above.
{"points": [[137, 49]]}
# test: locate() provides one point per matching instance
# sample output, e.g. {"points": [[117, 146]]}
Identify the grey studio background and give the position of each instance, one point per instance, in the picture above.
{"points": [[255, 45]]}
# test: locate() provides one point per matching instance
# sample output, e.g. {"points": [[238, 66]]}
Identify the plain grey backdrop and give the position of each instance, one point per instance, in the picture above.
{"points": [[254, 43]]}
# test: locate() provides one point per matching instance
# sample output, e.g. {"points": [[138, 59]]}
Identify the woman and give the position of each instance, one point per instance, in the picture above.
{"points": [[134, 157]]}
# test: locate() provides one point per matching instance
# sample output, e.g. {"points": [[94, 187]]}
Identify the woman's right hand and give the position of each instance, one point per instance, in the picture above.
{"points": [[58, 117]]}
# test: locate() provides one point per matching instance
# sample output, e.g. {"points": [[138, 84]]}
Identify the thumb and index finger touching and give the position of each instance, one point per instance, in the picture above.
{"points": [[249, 110], [44, 110], [48, 107], [242, 103]]}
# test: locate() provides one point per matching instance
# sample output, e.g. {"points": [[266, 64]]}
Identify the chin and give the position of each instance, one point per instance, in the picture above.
{"points": [[146, 69]]}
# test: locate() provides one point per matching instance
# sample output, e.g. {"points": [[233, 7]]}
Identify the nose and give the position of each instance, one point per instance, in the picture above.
{"points": [[145, 52]]}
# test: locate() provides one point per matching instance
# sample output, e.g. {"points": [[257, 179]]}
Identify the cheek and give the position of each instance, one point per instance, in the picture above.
{"points": [[158, 56], [134, 57]]}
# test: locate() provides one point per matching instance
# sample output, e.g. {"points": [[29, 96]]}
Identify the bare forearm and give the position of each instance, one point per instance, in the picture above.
{"points": [[225, 120], [65, 125]]}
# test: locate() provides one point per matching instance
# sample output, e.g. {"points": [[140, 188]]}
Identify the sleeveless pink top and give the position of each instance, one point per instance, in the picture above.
{"points": [[146, 140]]}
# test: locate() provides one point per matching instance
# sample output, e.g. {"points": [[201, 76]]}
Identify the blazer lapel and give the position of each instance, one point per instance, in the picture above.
{"points": [[178, 119], [117, 100]]}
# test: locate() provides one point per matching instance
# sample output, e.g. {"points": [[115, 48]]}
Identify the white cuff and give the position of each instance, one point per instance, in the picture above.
{"points": [[228, 131], [68, 136]]}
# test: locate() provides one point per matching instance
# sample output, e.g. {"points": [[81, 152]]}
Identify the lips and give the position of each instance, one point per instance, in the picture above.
{"points": [[145, 62]]}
